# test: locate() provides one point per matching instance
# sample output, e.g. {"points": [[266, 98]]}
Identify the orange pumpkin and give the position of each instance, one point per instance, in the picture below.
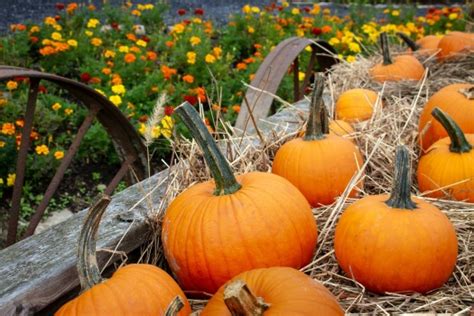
{"points": [[447, 170], [457, 100], [320, 165], [136, 289], [217, 229], [356, 105], [396, 243], [280, 291], [404, 67], [454, 44], [427, 45]]}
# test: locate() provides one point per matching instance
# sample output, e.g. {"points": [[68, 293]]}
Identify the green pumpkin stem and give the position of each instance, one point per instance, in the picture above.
{"points": [[89, 273], [220, 169], [240, 301], [459, 143], [400, 196], [175, 306], [410, 43], [387, 60], [318, 117]]}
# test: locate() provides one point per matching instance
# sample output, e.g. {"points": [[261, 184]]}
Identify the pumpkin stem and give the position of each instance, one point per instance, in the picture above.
{"points": [[410, 43], [387, 60], [468, 92], [400, 196], [318, 117], [459, 143], [89, 273], [175, 306], [220, 169], [241, 302]]}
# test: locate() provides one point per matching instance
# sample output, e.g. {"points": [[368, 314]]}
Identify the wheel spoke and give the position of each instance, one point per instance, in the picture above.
{"points": [[296, 79], [119, 175]]}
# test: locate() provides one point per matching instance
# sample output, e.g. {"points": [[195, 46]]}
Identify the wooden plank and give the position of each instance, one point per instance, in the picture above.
{"points": [[38, 270]]}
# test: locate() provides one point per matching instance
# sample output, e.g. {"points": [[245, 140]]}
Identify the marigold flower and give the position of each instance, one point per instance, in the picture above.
{"points": [[11, 179], [210, 59], [92, 23], [12, 85], [88, 33], [169, 110], [351, 59], [2, 144], [115, 99], [178, 28], [8, 129], [59, 154], [151, 55], [141, 43], [188, 78], [135, 49], [191, 56], [453, 16], [250, 29], [217, 51], [295, 11], [72, 42], [169, 44], [71, 7], [118, 89], [194, 40], [395, 13], [96, 41], [241, 66], [326, 29], [49, 20], [129, 58], [136, 13], [167, 71], [354, 47], [3, 101], [68, 111], [56, 106], [42, 150], [236, 108], [123, 49]]}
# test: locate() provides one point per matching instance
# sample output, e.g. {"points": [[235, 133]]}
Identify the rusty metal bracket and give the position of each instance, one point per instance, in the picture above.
{"points": [[273, 69]]}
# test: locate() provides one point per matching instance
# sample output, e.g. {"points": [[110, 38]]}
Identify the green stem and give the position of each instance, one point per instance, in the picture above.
{"points": [[387, 60], [410, 43], [220, 168], [89, 273], [459, 143], [400, 196], [317, 121], [175, 306]]}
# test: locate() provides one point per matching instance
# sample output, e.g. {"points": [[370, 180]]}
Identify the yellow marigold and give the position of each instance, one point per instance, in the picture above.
{"points": [[96, 41], [3, 101], [34, 29], [68, 111], [453, 16], [59, 154], [141, 43], [351, 59], [155, 131], [123, 49], [8, 129], [42, 150], [327, 11], [354, 47], [395, 13], [72, 42], [301, 75], [167, 126], [136, 13], [46, 42], [92, 23], [334, 41], [191, 56], [250, 29], [142, 128], [57, 27], [255, 10], [285, 4], [299, 32], [115, 99], [178, 28], [49, 20], [12, 85], [246, 9], [56, 106], [197, 21], [295, 11], [217, 51], [210, 59], [11, 179], [316, 9], [194, 40], [118, 89], [88, 33], [188, 78], [109, 53]]}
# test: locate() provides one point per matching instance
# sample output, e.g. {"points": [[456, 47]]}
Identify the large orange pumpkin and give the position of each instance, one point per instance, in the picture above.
{"points": [[272, 291], [136, 289], [217, 229], [457, 100], [320, 165], [447, 170], [454, 44], [403, 67], [396, 243], [427, 45], [356, 105]]}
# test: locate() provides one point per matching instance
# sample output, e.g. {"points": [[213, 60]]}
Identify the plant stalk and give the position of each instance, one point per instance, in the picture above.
{"points": [[387, 60], [318, 124], [242, 302], [400, 196], [459, 143]]}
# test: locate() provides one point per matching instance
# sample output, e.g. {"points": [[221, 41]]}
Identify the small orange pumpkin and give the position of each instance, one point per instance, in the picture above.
{"points": [[272, 291], [136, 289], [396, 243], [320, 165], [455, 43], [403, 67], [217, 229], [356, 105], [448, 167], [457, 100], [427, 45]]}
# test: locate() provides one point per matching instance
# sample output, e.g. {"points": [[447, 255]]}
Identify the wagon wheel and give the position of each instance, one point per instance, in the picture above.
{"points": [[273, 69], [125, 138]]}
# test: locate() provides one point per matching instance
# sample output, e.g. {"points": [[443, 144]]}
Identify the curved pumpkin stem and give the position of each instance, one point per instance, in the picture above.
{"points": [[410, 43], [220, 168], [468, 92], [459, 143], [89, 273], [175, 306], [241, 302], [387, 60], [318, 124], [400, 196]]}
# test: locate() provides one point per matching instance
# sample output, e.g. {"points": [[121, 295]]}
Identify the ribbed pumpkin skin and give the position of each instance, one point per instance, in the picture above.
{"points": [[209, 239], [356, 105], [320, 169], [393, 250], [454, 43], [441, 168], [455, 104], [429, 44], [405, 67], [136, 289], [288, 291]]}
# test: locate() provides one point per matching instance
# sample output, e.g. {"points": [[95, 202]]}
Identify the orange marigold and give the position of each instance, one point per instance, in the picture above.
{"points": [[167, 71], [188, 78], [129, 58], [47, 50], [71, 7], [326, 29], [151, 55], [8, 129], [131, 37], [241, 66]]}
